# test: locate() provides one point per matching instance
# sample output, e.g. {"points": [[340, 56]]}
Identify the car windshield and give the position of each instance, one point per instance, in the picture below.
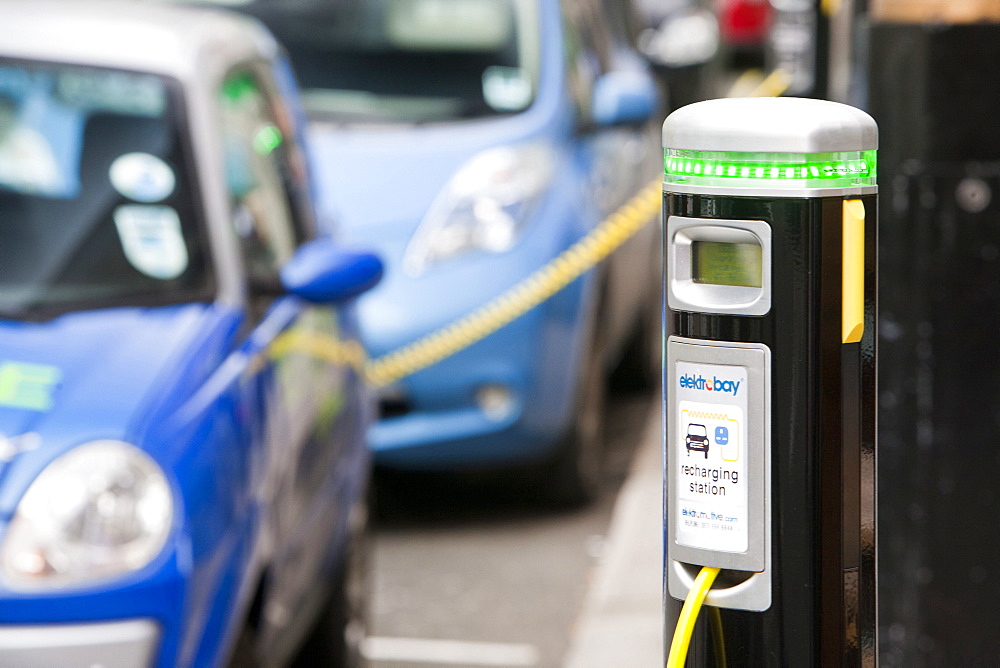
{"points": [[95, 203], [409, 61]]}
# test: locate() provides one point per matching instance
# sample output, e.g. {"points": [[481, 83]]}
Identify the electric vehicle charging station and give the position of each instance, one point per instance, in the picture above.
{"points": [[770, 243]]}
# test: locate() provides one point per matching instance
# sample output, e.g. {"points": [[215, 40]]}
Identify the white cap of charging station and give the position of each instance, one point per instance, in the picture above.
{"points": [[780, 146]]}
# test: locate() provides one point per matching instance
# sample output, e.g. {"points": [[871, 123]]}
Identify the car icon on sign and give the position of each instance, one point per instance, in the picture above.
{"points": [[696, 439]]}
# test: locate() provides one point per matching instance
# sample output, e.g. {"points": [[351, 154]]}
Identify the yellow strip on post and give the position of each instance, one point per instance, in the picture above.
{"points": [[853, 313]]}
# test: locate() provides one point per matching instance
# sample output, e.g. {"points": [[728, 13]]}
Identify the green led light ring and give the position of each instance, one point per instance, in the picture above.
{"points": [[790, 170]]}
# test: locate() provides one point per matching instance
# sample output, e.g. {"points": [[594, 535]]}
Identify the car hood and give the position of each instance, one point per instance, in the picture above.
{"points": [[377, 183], [373, 180], [89, 375]]}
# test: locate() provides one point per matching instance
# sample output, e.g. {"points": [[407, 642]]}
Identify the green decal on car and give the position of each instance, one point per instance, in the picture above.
{"points": [[26, 385]]}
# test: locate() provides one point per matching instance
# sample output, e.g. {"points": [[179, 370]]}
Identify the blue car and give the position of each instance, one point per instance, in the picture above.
{"points": [[470, 142], [183, 465]]}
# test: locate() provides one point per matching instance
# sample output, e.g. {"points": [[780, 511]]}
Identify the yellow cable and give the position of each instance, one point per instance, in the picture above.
{"points": [[744, 82], [522, 297], [773, 85], [582, 256], [579, 258], [718, 639], [689, 615]]}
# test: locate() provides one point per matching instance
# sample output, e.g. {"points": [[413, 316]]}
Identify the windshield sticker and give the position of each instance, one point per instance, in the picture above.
{"points": [[28, 163], [506, 88], [142, 177], [26, 385], [152, 239]]}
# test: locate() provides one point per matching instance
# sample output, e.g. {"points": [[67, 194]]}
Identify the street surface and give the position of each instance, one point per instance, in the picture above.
{"points": [[473, 570]]}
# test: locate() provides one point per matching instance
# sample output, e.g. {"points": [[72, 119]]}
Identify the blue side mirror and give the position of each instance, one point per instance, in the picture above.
{"points": [[624, 97], [323, 272]]}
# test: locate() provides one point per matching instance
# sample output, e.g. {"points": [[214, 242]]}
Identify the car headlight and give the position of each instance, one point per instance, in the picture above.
{"points": [[102, 509], [484, 205]]}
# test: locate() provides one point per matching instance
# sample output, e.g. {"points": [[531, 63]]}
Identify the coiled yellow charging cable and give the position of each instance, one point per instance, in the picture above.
{"points": [[640, 210], [689, 615], [522, 297]]}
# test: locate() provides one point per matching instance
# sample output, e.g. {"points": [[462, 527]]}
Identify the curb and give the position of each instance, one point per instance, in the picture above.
{"points": [[622, 619]]}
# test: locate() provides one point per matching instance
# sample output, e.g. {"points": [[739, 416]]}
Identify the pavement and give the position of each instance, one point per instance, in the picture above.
{"points": [[621, 624]]}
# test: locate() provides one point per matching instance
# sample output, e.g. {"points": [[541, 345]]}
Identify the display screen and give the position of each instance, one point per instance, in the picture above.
{"points": [[722, 263]]}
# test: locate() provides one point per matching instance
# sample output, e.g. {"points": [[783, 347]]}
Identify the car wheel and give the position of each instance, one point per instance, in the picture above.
{"points": [[573, 476], [337, 636]]}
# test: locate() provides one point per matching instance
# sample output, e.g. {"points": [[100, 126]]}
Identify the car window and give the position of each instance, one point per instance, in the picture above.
{"points": [[97, 206], [587, 51], [409, 61], [256, 177]]}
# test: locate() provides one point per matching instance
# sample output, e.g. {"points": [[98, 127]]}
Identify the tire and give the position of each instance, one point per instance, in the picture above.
{"points": [[574, 475], [336, 638]]}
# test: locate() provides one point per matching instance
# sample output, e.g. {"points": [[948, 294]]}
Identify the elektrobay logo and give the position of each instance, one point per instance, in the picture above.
{"points": [[713, 384]]}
